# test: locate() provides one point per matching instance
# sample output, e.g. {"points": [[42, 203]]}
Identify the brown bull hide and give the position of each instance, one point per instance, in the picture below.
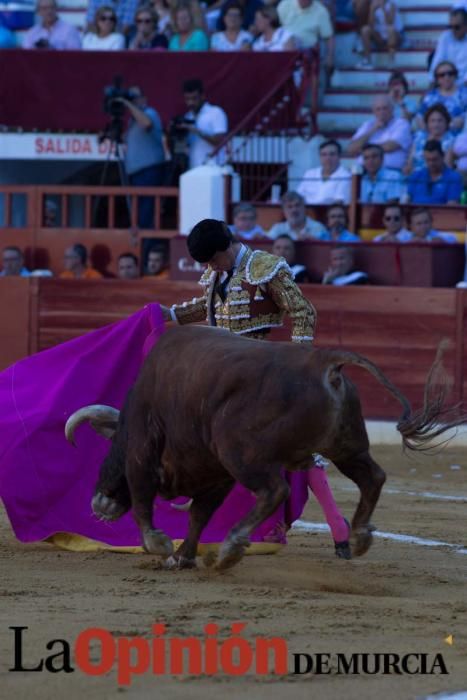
{"points": [[210, 408]]}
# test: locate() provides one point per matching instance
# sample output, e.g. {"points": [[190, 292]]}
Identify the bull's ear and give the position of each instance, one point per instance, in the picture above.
{"points": [[103, 419]]}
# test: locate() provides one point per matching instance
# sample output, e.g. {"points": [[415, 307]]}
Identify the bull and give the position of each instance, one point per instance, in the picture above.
{"points": [[210, 408]]}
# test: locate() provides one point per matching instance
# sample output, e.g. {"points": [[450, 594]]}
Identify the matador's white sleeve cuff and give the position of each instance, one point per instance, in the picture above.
{"points": [[172, 313]]}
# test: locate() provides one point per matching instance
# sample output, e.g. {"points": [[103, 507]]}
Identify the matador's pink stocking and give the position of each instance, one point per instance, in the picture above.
{"points": [[318, 483]]}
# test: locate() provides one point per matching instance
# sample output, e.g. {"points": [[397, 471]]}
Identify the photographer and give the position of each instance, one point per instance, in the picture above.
{"points": [[205, 124], [144, 157]]}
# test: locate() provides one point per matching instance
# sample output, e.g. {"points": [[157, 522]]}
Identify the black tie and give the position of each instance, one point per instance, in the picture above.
{"points": [[221, 287]]}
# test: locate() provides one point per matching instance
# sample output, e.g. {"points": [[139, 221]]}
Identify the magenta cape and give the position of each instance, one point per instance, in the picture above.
{"points": [[47, 484]]}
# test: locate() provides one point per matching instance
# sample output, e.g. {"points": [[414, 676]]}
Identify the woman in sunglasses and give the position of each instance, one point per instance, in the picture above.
{"points": [[104, 36], [145, 35], [447, 93]]}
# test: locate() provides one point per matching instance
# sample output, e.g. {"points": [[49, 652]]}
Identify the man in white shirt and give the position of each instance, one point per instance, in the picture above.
{"points": [[393, 135], [330, 182], [308, 21], [206, 123], [452, 44], [297, 224]]}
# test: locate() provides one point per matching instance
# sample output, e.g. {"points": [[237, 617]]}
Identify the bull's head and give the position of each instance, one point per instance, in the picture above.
{"points": [[111, 497]]}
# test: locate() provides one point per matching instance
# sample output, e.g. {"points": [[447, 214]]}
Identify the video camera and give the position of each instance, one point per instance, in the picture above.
{"points": [[112, 96]]}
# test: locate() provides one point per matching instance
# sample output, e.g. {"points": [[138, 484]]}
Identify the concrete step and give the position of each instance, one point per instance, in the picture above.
{"points": [[342, 121], [343, 99], [75, 17], [431, 4], [420, 17], [407, 59], [424, 37], [376, 79]]}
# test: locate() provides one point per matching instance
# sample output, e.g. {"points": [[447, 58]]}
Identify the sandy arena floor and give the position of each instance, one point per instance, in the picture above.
{"points": [[401, 597]]}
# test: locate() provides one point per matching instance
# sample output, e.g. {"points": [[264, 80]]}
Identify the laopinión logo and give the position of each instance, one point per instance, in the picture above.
{"points": [[96, 652]]}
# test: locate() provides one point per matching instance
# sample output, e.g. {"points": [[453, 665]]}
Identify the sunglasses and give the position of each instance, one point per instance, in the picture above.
{"points": [[446, 73], [392, 218], [144, 21], [107, 18]]}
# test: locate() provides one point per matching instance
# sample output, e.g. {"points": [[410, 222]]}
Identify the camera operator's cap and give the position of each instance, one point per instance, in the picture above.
{"points": [[207, 238]]}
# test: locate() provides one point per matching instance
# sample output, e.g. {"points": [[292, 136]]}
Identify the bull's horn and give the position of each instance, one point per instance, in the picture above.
{"points": [[182, 506], [103, 419]]}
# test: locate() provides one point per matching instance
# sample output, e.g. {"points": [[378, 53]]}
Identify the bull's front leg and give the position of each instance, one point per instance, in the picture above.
{"points": [[370, 478], [270, 489], [202, 508]]}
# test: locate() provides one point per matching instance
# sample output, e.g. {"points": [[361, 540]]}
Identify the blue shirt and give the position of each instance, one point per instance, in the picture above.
{"points": [[387, 186], [343, 237], [144, 146], [423, 190]]}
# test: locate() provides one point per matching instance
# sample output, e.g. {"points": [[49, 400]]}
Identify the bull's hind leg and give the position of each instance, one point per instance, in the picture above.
{"points": [[270, 489], [370, 478], [201, 510]]}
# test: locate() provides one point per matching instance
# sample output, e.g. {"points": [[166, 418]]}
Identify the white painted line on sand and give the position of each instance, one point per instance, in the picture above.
{"points": [[306, 526], [418, 494]]}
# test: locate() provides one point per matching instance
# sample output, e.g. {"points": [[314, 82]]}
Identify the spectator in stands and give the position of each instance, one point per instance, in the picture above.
{"points": [[384, 29], [284, 247], [452, 44], [75, 263], [309, 22], [436, 120], [50, 215], [435, 183], [144, 155], [421, 228], [404, 106], [187, 37], [379, 184], [271, 36], [206, 123], [249, 8], [458, 156], [128, 267], [392, 134], [146, 34], [447, 93], [51, 32], [104, 36], [13, 263], [157, 264], [361, 9], [124, 9], [164, 17], [337, 222], [244, 222], [233, 38], [297, 224], [393, 220], [331, 181], [341, 270], [7, 38]]}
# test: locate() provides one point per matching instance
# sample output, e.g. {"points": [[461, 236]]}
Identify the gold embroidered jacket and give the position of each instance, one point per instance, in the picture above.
{"points": [[260, 293]]}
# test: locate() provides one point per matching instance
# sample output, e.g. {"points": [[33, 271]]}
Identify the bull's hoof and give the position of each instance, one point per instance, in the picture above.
{"points": [[106, 508], [362, 541], [209, 559], [231, 552], [177, 561], [157, 542]]}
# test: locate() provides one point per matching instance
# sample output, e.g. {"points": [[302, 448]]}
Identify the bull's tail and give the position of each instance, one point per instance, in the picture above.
{"points": [[417, 428]]}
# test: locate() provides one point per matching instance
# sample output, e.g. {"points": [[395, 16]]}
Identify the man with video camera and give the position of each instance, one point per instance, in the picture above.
{"points": [[144, 156], [206, 124]]}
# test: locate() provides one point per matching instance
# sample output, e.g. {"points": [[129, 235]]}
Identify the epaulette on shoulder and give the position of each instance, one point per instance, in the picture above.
{"points": [[262, 267]]}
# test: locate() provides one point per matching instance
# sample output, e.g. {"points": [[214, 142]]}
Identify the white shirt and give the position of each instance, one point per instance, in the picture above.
{"points": [[220, 42], [308, 25], [210, 120], [450, 49], [276, 43], [336, 188], [112, 42], [397, 130]]}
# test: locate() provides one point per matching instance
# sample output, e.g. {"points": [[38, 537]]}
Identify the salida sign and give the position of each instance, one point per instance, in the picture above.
{"points": [[53, 147]]}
